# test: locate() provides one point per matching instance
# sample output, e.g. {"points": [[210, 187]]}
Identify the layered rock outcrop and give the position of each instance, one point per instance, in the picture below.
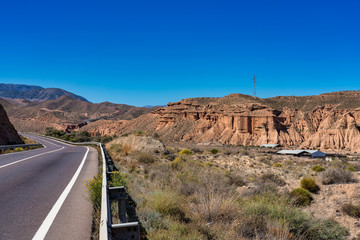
{"points": [[243, 120], [8, 134]]}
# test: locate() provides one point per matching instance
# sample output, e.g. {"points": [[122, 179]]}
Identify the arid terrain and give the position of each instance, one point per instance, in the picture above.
{"points": [[328, 121], [194, 169], [212, 191], [64, 113]]}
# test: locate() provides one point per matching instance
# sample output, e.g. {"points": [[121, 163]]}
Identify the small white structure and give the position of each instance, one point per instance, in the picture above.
{"points": [[304, 152], [270, 145]]}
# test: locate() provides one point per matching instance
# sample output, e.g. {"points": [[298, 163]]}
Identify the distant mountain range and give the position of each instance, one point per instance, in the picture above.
{"points": [[34, 93], [65, 113]]}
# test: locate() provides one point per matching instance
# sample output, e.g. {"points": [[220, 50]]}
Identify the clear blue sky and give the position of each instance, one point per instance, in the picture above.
{"points": [[154, 52]]}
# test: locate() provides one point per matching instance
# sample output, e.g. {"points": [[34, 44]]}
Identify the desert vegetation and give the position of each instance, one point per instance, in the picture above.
{"points": [[77, 136], [236, 193]]}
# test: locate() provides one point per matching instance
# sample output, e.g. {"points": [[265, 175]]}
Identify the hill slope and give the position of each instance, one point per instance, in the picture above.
{"points": [[8, 134], [34, 93], [65, 113], [326, 121]]}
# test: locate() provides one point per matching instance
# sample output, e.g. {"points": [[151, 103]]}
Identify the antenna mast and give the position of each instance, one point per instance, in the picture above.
{"points": [[254, 90]]}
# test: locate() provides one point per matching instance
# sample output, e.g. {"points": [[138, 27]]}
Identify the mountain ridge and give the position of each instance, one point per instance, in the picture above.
{"points": [[34, 93]]}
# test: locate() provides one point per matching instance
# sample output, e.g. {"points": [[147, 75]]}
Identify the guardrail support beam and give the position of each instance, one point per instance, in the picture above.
{"points": [[119, 194], [125, 231]]}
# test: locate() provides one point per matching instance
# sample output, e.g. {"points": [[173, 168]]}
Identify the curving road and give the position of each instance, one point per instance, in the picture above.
{"points": [[42, 192]]}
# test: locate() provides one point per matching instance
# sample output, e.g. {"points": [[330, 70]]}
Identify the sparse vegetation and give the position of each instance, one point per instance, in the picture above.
{"points": [[77, 136], [301, 196], [336, 176], [166, 203], [271, 178], [351, 210], [195, 197], [143, 157]]}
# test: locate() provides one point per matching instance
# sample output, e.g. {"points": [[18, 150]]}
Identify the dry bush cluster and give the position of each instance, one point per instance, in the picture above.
{"points": [[188, 197]]}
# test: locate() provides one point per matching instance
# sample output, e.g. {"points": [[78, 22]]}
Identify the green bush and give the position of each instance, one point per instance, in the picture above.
{"points": [[94, 187], [309, 184], [54, 133], [277, 165], [351, 210], [301, 196], [118, 179], [214, 151], [185, 152], [318, 168]]}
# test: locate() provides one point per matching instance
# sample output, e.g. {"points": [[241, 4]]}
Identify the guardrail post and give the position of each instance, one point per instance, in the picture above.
{"points": [[119, 194]]}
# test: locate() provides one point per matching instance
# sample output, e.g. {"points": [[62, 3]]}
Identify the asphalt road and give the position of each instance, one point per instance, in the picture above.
{"points": [[42, 192]]}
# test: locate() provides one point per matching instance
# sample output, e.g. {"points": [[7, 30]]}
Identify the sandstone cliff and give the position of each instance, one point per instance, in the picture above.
{"points": [[8, 134], [328, 121]]}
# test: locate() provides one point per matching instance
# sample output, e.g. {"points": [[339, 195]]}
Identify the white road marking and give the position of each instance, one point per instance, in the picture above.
{"points": [[45, 226], [24, 159]]}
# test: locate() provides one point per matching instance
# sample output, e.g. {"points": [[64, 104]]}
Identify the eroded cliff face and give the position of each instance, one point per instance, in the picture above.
{"points": [[243, 120], [8, 134]]}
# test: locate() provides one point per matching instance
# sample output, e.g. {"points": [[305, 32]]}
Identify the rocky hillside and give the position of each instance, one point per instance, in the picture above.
{"points": [[8, 134], [65, 113], [34, 93], [327, 121]]}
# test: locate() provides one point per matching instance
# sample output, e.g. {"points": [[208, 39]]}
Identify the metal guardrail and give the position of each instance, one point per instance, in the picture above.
{"points": [[5, 147], [108, 230]]}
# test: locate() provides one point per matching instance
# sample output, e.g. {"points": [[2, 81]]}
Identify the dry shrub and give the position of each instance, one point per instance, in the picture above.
{"points": [[274, 217], [115, 150], [351, 210], [143, 157], [127, 149], [244, 152], [166, 203], [212, 206], [336, 175], [270, 177], [236, 179]]}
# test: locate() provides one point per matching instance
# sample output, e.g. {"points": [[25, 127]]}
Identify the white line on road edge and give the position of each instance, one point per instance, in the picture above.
{"points": [[45, 226], [6, 165]]}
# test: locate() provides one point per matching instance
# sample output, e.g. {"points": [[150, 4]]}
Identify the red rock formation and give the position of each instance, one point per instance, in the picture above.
{"points": [[243, 120]]}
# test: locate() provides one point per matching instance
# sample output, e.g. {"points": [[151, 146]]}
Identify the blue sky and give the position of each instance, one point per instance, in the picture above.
{"points": [[154, 52]]}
